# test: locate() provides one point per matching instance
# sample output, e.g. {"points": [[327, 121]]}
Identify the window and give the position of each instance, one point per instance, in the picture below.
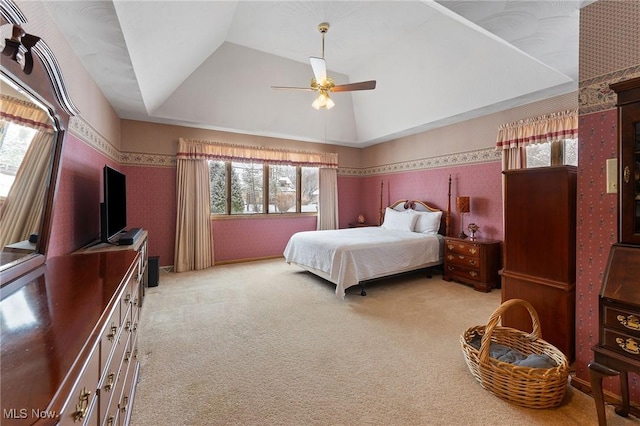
{"points": [[13, 147], [553, 153], [253, 188]]}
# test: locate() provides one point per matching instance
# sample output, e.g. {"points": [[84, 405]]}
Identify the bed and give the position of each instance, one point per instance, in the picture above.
{"points": [[409, 238]]}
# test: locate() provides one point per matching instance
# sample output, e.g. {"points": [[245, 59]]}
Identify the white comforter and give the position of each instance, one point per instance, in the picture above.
{"points": [[348, 256]]}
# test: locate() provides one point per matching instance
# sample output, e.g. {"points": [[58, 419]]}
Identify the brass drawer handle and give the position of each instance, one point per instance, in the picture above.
{"points": [[631, 321], [450, 246], [473, 250], [472, 262], [127, 326], [110, 379], [125, 403], [83, 405], [450, 257], [473, 273], [111, 336], [127, 356], [127, 298], [627, 174], [110, 421], [628, 345]]}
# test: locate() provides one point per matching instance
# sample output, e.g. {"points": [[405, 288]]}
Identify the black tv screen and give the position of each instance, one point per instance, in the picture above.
{"points": [[114, 208]]}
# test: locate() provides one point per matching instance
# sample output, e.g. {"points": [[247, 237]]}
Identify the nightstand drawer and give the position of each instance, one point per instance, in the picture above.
{"points": [[464, 248], [456, 271], [462, 260]]}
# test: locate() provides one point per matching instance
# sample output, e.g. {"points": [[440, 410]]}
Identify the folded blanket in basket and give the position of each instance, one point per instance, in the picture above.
{"points": [[512, 356]]}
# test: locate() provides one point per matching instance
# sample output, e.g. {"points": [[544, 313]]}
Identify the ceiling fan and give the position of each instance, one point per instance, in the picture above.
{"points": [[322, 84]]}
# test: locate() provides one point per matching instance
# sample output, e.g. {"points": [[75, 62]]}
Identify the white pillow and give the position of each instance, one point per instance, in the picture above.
{"points": [[400, 221], [427, 222]]}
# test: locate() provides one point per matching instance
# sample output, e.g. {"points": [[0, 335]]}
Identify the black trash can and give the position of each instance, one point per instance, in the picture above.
{"points": [[153, 271]]}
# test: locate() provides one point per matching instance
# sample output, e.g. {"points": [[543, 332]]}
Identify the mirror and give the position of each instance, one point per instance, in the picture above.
{"points": [[27, 142], [34, 112]]}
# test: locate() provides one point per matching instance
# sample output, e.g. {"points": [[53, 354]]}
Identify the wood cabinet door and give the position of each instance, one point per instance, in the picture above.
{"points": [[630, 173]]}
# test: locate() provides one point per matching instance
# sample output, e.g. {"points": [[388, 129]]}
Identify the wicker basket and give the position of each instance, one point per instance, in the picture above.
{"points": [[525, 386]]}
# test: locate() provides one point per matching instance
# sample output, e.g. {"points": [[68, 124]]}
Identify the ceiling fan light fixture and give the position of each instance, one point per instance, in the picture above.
{"points": [[323, 101]]}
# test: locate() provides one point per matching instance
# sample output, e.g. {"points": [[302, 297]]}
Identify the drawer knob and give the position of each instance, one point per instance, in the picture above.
{"points": [[628, 345], [112, 335], [631, 321], [110, 379], [83, 405]]}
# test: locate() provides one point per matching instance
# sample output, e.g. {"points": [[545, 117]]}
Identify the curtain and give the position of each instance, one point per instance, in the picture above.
{"points": [[193, 248], [328, 199], [513, 138], [207, 150], [22, 210]]}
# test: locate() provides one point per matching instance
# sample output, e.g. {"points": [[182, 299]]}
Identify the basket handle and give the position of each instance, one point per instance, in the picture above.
{"points": [[497, 316]]}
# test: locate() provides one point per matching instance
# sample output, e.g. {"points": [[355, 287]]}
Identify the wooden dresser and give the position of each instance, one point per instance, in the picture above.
{"points": [[540, 251], [474, 262], [70, 356]]}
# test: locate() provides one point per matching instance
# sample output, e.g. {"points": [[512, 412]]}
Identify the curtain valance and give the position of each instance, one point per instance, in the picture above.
{"points": [[191, 149], [24, 113], [545, 128]]}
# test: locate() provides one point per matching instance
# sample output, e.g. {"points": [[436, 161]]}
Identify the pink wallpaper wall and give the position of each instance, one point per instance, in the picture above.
{"points": [[481, 182], [76, 219], [597, 215], [151, 205]]}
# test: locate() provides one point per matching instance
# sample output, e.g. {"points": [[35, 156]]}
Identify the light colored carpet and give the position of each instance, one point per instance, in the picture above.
{"points": [[265, 343]]}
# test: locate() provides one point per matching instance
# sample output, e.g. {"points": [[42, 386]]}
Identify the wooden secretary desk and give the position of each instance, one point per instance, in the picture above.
{"points": [[618, 348]]}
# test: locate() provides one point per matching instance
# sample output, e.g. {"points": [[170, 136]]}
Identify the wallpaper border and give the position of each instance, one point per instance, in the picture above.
{"points": [[594, 93], [485, 155], [84, 131]]}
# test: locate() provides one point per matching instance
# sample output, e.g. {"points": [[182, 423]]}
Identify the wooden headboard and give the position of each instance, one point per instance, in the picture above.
{"points": [[419, 206]]}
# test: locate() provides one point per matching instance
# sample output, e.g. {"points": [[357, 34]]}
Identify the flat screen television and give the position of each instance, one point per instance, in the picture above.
{"points": [[113, 211]]}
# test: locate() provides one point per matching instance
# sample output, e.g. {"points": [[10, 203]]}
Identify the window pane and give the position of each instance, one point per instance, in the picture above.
{"points": [[218, 187], [13, 147], [282, 189], [310, 189], [539, 155], [248, 189], [571, 152]]}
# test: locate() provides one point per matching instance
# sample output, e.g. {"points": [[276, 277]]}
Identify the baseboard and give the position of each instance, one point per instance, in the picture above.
{"points": [[252, 259], [609, 397]]}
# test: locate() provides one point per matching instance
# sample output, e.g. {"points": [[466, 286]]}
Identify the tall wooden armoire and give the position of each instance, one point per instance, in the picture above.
{"points": [[540, 251]]}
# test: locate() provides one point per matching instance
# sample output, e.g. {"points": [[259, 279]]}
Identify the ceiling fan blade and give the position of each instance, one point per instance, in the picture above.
{"points": [[319, 69], [306, 89], [363, 85]]}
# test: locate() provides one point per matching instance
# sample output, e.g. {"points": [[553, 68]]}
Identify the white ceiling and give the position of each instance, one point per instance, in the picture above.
{"points": [[210, 64]]}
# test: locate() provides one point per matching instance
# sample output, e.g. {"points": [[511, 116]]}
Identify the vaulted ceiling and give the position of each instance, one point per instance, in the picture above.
{"points": [[211, 64]]}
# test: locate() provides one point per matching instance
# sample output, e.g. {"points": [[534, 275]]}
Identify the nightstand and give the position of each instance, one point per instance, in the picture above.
{"points": [[361, 225], [474, 262]]}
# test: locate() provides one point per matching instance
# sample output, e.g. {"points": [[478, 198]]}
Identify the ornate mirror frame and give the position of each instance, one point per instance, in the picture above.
{"points": [[29, 64]]}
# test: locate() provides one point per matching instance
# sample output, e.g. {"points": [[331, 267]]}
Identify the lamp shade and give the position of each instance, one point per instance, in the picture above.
{"points": [[463, 204]]}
